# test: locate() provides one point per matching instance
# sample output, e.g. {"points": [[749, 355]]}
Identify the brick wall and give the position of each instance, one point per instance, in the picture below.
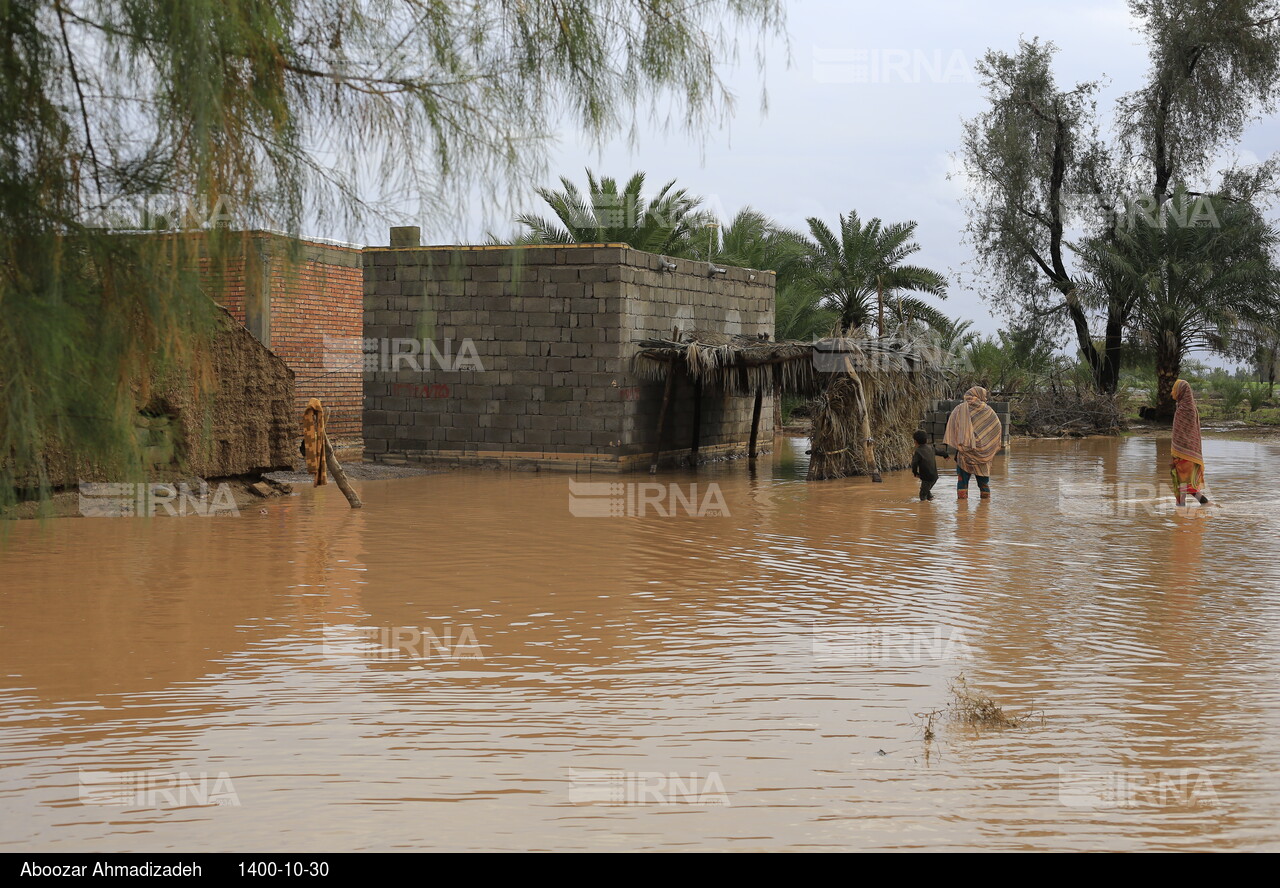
{"points": [[302, 299], [314, 295], [553, 330]]}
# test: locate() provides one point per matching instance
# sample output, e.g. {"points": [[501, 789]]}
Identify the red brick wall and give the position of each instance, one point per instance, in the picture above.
{"points": [[317, 319], [313, 301]]}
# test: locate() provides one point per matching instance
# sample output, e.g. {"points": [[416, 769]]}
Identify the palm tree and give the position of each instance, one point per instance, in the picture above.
{"points": [[752, 240], [1205, 268], [861, 273], [958, 333], [606, 214], [800, 315]]}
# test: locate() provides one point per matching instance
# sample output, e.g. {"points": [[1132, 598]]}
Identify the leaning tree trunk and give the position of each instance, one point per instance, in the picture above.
{"points": [[1272, 362]]}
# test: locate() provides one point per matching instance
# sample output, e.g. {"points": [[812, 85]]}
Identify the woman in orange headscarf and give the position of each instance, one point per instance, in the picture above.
{"points": [[314, 441], [1187, 468], [974, 431]]}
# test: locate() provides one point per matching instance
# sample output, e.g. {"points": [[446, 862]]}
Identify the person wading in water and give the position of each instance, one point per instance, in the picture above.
{"points": [[1186, 470], [974, 432]]}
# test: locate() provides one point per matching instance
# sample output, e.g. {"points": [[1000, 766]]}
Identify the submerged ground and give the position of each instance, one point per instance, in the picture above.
{"points": [[484, 660]]}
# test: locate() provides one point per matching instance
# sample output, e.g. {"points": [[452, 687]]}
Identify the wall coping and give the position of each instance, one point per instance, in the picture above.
{"points": [[628, 256]]}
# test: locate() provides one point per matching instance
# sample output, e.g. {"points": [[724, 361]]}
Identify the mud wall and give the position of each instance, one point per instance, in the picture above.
{"points": [[233, 415], [249, 419]]}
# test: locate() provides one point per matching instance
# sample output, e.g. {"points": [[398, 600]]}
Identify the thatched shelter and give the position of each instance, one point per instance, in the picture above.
{"points": [[870, 392]]}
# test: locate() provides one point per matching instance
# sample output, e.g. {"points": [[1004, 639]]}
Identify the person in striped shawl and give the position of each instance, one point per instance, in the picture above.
{"points": [[975, 434], [1186, 470]]}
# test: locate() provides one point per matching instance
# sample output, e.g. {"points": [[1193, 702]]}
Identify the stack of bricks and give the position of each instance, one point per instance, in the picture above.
{"points": [[527, 355], [935, 422]]}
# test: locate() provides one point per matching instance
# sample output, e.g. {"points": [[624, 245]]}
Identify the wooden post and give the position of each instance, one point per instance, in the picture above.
{"points": [[697, 422], [868, 445], [755, 422], [336, 470], [662, 417]]}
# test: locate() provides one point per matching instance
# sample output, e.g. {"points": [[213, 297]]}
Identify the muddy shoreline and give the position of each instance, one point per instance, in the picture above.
{"points": [[225, 495]]}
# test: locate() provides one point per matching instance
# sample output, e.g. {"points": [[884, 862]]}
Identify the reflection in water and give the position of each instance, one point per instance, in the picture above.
{"points": [[774, 659]]}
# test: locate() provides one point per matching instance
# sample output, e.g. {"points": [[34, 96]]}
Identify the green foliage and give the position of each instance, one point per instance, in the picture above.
{"points": [[752, 240], [1029, 158], [863, 263], [801, 315], [666, 224], [1195, 273], [1039, 169], [1230, 392], [1019, 360], [1257, 395], [251, 112]]}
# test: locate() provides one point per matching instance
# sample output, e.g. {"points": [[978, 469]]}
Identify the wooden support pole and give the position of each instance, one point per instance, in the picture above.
{"points": [[868, 444], [662, 417], [339, 475], [755, 423], [697, 422]]}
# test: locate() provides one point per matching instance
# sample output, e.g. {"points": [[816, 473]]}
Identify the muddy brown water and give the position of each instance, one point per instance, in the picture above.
{"points": [[467, 664]]}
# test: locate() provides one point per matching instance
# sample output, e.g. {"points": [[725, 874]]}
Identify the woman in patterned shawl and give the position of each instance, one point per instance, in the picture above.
{"points": [[1187, 468], [974, 431]]}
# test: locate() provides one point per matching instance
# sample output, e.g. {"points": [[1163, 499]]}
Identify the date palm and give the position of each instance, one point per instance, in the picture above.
{"points": [[863, 266], [752, 240], [1196, 274], [605, 213]]}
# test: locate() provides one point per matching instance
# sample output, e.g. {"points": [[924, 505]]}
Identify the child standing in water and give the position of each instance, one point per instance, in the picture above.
{"points": [[924, 465]]}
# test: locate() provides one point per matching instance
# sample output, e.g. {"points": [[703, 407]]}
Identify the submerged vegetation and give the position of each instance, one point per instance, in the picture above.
{"points": [[970, 708]]}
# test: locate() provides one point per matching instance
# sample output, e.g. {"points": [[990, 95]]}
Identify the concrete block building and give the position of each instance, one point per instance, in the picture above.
{"points": [[522, 356]]}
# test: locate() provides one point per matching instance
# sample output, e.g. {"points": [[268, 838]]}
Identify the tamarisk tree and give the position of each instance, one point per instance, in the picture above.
{"points": [[126, 114], [1049, 197]]}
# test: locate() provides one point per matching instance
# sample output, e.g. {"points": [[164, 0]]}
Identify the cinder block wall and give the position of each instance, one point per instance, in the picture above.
{"points": [[554, 329]]}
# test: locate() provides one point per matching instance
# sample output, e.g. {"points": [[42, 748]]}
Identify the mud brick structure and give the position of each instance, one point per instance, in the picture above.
{"points": [[521, 357], [240, 420]]}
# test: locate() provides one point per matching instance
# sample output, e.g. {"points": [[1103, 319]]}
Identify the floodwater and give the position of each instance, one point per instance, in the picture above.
{"points": [[467, 664]]}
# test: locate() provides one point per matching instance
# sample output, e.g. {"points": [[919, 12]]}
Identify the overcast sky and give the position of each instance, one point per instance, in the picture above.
{"points": [[867, 116]]}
